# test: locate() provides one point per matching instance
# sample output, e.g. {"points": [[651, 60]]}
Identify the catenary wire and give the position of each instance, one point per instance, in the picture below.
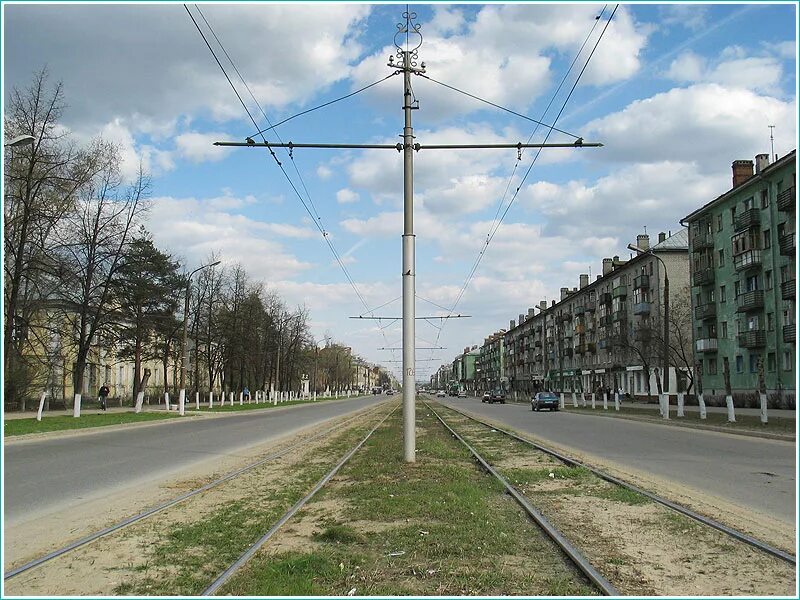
{"points": [[317, 222], [493, 231], [490, 103], [305, 112]]}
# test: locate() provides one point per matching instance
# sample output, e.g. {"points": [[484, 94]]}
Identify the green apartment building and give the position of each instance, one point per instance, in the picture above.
{"points": [[490, 363], [742, 263]]}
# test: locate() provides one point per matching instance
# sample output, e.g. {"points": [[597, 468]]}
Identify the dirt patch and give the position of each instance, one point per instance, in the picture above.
{"points": [[646, 549]]}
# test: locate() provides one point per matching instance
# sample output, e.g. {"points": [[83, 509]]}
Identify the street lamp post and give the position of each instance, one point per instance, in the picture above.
{"points": [[665, 348], [185, 348]]}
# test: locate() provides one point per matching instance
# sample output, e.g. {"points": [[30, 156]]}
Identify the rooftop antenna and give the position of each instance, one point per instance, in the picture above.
{"points": [[772, 141]]}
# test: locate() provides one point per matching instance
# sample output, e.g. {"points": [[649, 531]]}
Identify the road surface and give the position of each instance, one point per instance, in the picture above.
{"points": [[748, 471], [52, 474]]}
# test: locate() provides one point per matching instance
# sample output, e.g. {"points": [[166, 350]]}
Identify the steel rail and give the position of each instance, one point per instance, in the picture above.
{"points": [[167, 504], [742, 537], [571, 551], [248, 554]]}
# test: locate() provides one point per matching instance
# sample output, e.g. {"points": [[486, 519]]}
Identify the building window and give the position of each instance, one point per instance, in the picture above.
{"points": [[722, 296], [787, 360], [721, 261], [770, 322], [736, 288], [739, 364], [733, 215], [748, 204], [771, 362], [754, 363], [764, 198], [767, 280], [719, 222], [712, 366], [724, 327], [767, 240]]}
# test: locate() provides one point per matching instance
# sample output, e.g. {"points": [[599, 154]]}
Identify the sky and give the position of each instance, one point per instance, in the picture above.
{"points": [[674, 92]]}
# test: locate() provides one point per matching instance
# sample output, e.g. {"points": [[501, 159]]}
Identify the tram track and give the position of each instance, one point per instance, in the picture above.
{"points": [[158, 508], [642, 543], [687, 512]]}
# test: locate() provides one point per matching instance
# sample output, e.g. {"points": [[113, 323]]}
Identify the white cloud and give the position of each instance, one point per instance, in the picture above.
{"points": [[763, 74], [512, 47], [690, 16], [706, 124], [193, 228], [346, 196], [199, 147]]}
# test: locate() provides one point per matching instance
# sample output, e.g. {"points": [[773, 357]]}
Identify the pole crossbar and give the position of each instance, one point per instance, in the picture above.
{"points": [[418, 318], [398, 147]]}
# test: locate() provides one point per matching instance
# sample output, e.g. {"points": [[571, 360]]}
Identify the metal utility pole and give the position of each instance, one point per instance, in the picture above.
{"points": [[409, 289], [407, 41]]}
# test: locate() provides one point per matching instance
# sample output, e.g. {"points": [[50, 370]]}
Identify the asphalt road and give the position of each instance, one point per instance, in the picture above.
{"points": [[50, 474], [748, 471]]}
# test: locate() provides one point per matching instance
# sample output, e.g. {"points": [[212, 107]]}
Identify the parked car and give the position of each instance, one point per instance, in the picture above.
{"points": [[494, 396], [389, 392], [462, 394], [440, 394], [542, 400]]}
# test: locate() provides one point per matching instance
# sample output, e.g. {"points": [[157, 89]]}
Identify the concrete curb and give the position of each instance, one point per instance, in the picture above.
{"points": [[64, 433], [673, 423]]}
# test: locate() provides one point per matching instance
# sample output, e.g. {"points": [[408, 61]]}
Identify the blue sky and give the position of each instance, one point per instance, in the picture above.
{"points": [[675, 92]]}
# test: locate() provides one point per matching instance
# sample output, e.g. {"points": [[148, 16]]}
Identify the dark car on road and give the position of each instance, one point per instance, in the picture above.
{"points": [[542, 400], [495, 396]]}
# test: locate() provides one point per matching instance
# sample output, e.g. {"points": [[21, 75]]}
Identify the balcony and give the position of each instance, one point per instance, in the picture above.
{"points": [[603, 344], [702, 241], [564, 317], [580, 329], [750, 301], [642, 335], [707, 345], [538, 358], [789, 333], [705, 311], [786, 244], [749, 259], [605, 320], [537, 343], [580, 349], [620, 291], [755, 338], [568, 351], [591, 347], [642, 308], [787, 199], [704, 276], [589, 307], [578, 310], [787, 290], [749, 218], [642, 282], [605, 298], [619, 339], [619, 315]]}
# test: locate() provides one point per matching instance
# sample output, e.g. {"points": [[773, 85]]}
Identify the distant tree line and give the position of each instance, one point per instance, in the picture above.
{"points": [[84, 280]]}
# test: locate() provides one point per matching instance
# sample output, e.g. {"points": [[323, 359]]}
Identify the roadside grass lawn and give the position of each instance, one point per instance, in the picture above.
{"points": [[775, 424], [14, 427], [253, 406]]}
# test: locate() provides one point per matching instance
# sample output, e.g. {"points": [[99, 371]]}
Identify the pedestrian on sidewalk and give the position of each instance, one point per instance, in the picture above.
{"points": [[246, 394], [103, 396]]}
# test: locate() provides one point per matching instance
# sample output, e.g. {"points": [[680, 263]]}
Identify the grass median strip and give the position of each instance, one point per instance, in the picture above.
{"points": [[778, 425], [13, 427], [439, 526]]}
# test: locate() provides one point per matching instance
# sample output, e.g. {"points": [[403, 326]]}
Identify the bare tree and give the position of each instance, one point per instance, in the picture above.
{"points": [[91, 246], [41, 182]]}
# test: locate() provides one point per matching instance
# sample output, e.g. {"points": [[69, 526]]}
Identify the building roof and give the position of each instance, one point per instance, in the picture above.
{"points": [[789, 158], [677, 241]]}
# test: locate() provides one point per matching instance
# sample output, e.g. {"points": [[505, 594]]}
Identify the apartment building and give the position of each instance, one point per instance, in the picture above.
{"points": [[490, 363], [743, 263], [605, 332]]}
